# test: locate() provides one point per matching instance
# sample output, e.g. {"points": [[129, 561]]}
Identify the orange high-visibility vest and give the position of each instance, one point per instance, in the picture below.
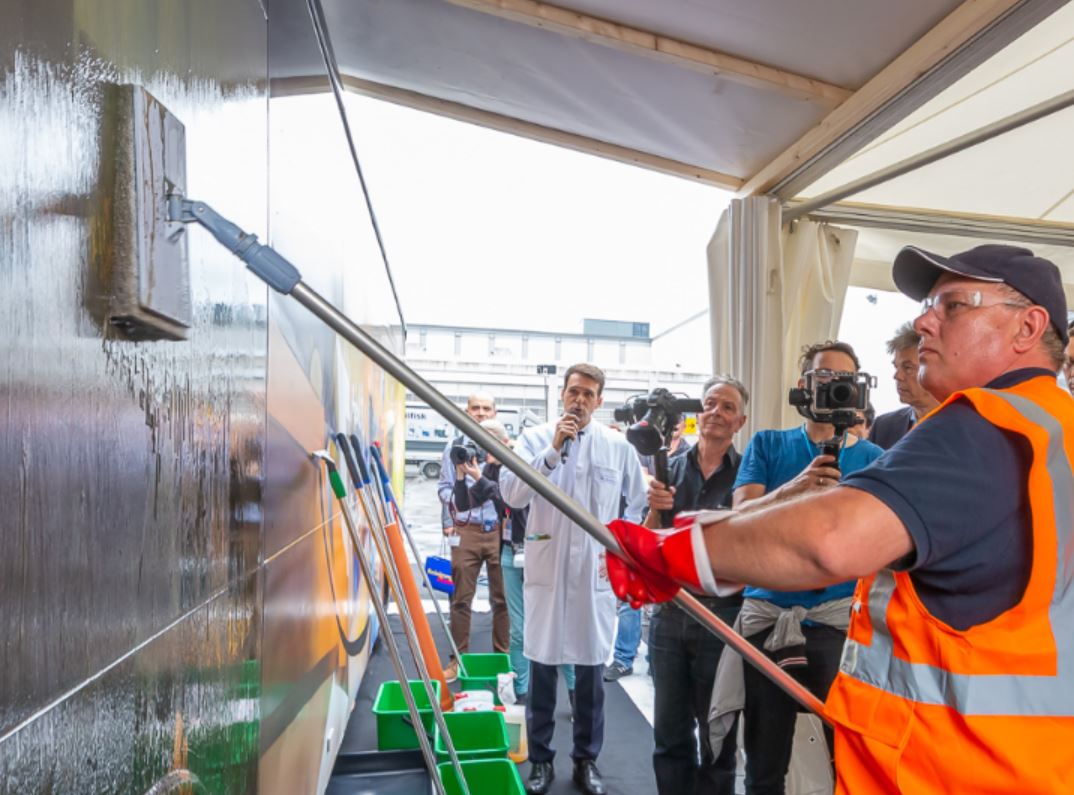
{"points": [[920, 707]]}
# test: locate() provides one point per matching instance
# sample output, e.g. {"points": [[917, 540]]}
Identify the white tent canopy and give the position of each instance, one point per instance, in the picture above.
{"points": [[1027, 173], [1018, 186], [749, 96], [788, 100]]}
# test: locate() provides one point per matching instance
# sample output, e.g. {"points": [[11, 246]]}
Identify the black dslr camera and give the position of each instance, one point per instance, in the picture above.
{"points": [[464, 450], [653, 418], [833, 397]]}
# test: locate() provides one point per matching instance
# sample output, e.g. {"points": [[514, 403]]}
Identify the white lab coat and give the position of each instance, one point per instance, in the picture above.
{"points": [[570, 606]]}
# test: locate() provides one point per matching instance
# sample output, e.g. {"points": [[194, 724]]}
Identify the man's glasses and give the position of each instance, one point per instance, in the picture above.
{"points": [[951, 303]]}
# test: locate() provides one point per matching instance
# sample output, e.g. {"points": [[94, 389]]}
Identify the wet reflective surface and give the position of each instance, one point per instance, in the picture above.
{"points": [[176, 589]]}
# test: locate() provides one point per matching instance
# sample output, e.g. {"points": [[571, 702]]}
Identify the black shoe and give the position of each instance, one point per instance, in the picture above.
{"points": [[587, 777], [541, 775], [616, 671]]}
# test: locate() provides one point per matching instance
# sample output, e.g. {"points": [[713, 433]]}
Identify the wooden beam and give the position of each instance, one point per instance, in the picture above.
{"points": [[663, 48], [962, 40], [495, 121]]}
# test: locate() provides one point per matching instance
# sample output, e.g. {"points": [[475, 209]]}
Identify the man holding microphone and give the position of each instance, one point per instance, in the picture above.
{"points": [[569, 604]]}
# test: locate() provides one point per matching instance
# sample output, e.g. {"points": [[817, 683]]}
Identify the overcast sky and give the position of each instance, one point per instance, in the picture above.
{"points": [[541, 236], [488, 229]]}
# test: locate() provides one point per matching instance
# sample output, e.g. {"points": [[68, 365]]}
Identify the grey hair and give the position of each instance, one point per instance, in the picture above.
{"points": [[905, 337], [496, 428], [731, 381], [1049, 340]]}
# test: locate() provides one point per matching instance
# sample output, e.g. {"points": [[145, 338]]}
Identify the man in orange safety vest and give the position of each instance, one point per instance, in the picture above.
{"points": [[957, 675]]}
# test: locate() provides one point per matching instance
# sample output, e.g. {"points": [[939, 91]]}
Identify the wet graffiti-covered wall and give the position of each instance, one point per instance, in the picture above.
{"points": [[179, 605]]}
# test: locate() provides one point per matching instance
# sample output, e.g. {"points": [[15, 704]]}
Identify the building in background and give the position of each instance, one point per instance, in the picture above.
{"points": [[524, 370]]}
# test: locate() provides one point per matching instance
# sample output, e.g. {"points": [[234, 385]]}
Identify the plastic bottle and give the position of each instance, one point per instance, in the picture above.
{"points": [[515, 718]]}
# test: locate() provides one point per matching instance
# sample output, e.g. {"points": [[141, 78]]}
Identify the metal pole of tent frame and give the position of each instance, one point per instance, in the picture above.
{"points": [[390, 498], [382, 615], [274, 269], [999, 127], [380, 540], [575, 512]]}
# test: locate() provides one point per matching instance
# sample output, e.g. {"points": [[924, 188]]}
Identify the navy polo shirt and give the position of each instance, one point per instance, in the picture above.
{"points": [[693, 491], [959, 486]]}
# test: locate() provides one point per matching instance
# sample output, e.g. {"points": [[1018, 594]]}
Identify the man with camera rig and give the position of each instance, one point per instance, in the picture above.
{"points": [[569, 604], [683, 654], [628, 633], [958, 670], [477, 528], [776, 466]]}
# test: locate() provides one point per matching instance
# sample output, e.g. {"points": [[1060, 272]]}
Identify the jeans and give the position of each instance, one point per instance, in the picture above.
{"points": [[628, 636], [684, 657], [512, 584], [771, 714]]}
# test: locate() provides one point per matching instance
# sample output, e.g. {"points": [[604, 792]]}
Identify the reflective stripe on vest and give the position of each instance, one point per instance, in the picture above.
{"points": [[986, 694]]}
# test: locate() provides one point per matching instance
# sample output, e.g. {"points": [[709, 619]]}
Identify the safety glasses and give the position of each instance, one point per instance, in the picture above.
{"points": [[949, 304]]}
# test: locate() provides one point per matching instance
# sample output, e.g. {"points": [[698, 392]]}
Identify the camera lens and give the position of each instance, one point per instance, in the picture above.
{"points": [[843, 395]]}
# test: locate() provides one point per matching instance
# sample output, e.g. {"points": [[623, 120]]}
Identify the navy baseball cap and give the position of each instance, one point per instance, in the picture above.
{"points": [[916, 271]]}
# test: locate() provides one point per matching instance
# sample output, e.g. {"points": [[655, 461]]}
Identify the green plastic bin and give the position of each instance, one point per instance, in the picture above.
{"points": [[394, 729], [483, 777], [481, 671], [477, 735]]}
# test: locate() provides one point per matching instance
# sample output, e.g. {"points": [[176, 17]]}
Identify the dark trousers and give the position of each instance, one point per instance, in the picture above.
{"points": [[683, 660], [476, 547], [771, 714], [588, 711]]}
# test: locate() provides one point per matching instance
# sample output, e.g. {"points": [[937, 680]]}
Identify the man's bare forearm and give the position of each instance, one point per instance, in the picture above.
{"points": [[807, 542]]}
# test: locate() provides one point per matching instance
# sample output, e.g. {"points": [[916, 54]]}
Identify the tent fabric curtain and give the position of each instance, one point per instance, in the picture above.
{"points": [[773, 290]]}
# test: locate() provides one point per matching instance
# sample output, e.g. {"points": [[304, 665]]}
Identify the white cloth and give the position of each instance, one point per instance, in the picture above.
{"points": [[757, 615], [569, 603], [773, 289]]}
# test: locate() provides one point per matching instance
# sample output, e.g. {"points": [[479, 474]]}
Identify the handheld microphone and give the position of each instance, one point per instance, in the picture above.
{"points": [[565, 448]]}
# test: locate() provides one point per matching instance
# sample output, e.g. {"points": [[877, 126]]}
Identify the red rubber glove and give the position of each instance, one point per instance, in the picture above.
{"points": [[641, 577], [659, 562]]}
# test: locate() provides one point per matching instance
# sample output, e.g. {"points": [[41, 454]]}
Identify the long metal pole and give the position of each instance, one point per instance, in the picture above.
{"points": [[398, 369], [989, 131], [391, 502], [382, 616], [380, 540]]}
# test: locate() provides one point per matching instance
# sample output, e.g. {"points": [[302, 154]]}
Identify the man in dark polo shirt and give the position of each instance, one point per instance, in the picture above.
{"points": [[683, 655], [956, 671]]}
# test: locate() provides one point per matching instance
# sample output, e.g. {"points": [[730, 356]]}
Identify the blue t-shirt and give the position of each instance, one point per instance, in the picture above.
{"points": [[775, 457], [959, 486]]}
